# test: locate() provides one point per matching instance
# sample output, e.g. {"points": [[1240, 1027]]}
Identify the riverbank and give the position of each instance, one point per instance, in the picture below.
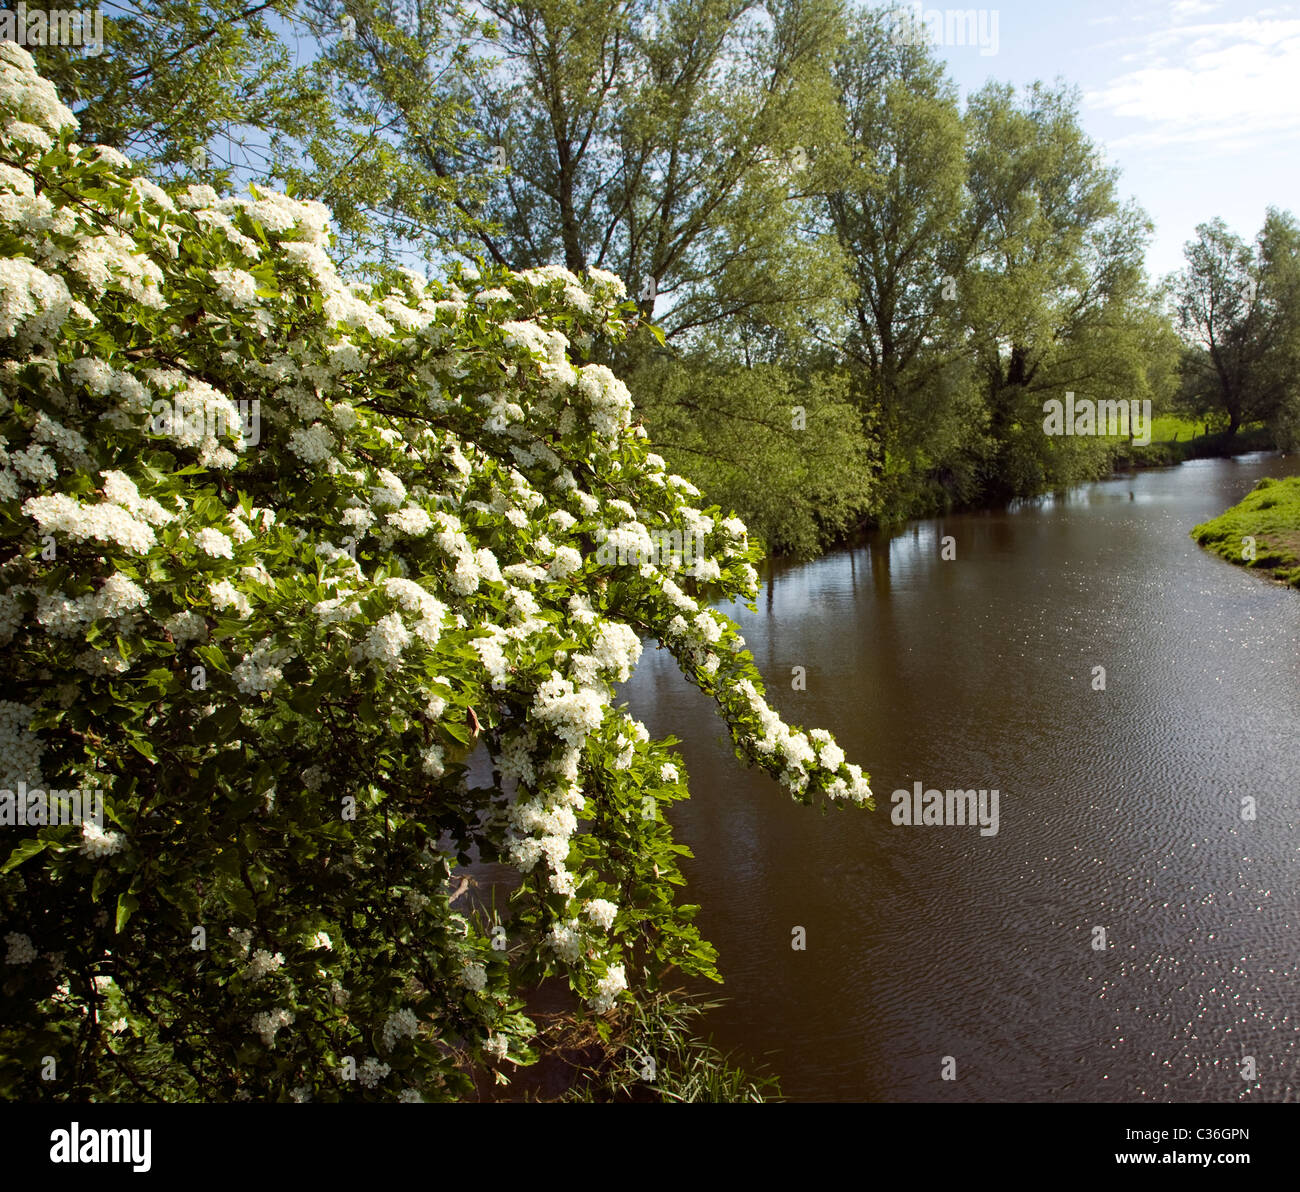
{"points": [[1129, 457], [1175, 441], [1261, 532], [1164, 453]]}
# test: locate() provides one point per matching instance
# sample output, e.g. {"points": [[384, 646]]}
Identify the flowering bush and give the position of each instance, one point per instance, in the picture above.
{"points": [[280, 552]]}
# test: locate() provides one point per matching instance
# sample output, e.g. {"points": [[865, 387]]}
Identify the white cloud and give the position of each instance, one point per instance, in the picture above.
{"points": [[1208, 83], [1180, 9]]}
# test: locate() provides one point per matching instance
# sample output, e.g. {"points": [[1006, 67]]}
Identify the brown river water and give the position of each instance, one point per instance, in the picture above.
{"points": [[1119, 809]]}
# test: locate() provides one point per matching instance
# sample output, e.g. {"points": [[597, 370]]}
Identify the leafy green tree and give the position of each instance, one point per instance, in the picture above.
{"points": [[674, 143], [668, 143], [360, 105], [546, 112], [1239, 313], [785, 444], [1214, 303], [397, 161], [894, 199], [189, 88], [1054, 293], [1278, 293]]}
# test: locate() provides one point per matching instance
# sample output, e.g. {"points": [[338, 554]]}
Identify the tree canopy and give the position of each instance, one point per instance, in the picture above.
{"points": [[1238, 309]]}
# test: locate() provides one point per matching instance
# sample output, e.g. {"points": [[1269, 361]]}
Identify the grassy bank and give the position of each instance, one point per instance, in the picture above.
{"points": [[1174, 440], [1262, 531]]}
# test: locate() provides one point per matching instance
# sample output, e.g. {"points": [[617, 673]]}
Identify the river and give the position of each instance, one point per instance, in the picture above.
{"points": [[1119, 809]]}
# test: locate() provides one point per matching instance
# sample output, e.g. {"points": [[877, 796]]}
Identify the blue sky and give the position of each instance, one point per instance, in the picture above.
{"points": [[1197, 102]]}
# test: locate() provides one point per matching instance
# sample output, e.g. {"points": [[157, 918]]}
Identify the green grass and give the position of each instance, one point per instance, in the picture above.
{"points": [[1168, 427], [654, 1053], [1265, 525]]}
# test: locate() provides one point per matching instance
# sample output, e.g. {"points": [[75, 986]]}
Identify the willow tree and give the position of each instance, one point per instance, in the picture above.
{"points": [[666, 141], [1054, 293], [894, 199], [396, 160], [675, 144], [1239, 313]]}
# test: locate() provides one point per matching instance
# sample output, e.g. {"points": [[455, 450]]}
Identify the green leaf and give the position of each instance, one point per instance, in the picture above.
{"points": [[127, 905], [103, 875], [28, 848], [143, 748]]}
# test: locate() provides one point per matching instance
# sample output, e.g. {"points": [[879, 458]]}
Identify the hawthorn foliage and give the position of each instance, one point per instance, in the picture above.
{"points": [[278, 555]]}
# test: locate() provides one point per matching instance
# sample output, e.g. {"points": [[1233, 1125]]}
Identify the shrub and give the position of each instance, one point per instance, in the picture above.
{"points": [[279, 553]]}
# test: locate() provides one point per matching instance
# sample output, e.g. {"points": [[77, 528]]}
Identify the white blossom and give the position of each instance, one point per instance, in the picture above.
{"points": [[401, 1024], [215, 543], [371, 1071], [601, 912], [268, 1023], [235, 286], [262, 963], [224, 595], [99, 843], [608, 988]]}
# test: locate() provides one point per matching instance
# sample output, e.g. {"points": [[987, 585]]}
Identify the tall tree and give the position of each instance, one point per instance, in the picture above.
{"points": [[397, 162], [674, 142], [547, 112], [1239, 312], [665, 141], [894, 199], [1055, 294], [1279, 297]]}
